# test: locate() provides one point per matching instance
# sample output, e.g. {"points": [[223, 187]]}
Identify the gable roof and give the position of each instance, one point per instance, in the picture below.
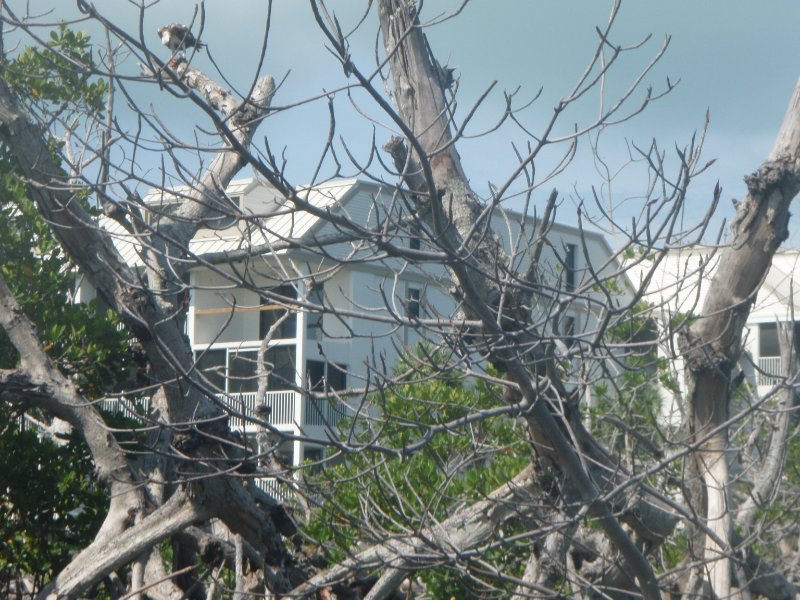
{"points": [[285, 222]]}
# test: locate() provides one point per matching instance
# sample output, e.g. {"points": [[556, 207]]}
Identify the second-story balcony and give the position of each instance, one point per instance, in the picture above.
{"points": [[286, 409]]}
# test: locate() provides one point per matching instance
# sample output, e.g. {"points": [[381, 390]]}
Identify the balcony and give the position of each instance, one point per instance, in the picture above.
{"points": [[316, 412], [282, 404]]}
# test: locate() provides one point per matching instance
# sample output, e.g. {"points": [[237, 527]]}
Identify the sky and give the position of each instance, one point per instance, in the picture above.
{"points": [[738, 60]]}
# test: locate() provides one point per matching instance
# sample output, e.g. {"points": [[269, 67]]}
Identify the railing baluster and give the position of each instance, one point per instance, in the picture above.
{"points": [[318, 412], [770, 370]]}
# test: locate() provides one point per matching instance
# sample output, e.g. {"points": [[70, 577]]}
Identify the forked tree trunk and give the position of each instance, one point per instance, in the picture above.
{"points": [[432, 170], [149, 313], [713, 342]]}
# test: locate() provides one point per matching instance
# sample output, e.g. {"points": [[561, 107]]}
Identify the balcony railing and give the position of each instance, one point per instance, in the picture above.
{"points": [[319, 412], [278, 490], [287, 493], [132, 408], [281, 405], [769, 370], [315, 411]]}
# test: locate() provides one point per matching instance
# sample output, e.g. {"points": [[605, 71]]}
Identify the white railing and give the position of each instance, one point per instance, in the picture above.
{"points": [[289, 493], [136, 409], [316, 411], [277, 489], [769, 370], [321, 412], [281, 407]]}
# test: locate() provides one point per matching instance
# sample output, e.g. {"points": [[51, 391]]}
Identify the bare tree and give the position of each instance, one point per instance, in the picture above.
{"points": [[583, 517]]}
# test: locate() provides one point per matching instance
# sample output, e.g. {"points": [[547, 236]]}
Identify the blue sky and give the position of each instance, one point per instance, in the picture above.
{"points": [[738, 59]]}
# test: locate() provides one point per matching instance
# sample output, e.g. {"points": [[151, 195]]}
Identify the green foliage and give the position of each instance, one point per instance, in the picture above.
{"points": [[61, 75], [675, 549], [635, 397], [455, 468], [42, 524], [83, 340], [50, 504]]}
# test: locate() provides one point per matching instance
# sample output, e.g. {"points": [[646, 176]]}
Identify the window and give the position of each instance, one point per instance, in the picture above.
{"points": [[570, 267], [211, 363], [227, 215], [323, 376], [316, 295], [235, 371], [314, 456], [269, 316], [413, 303], [281, 358], [315, 375], [242, 369], [768, 344], [337, 377], [153, 213]]}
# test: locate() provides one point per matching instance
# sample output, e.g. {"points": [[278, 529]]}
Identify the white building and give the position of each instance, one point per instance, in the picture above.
{"points": [[679, 287], [356, 335]]}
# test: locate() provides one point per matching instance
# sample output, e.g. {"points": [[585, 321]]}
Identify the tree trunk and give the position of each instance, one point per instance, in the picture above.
{"points": [[432, 170], [712, 344]]}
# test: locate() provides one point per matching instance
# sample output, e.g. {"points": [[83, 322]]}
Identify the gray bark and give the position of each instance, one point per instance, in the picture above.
{"points": [[713, 342], [152, 317], [433, 171], [458, 533], [106, 555]]}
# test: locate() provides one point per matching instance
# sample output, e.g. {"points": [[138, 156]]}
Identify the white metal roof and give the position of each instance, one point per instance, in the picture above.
{"points": [[286, 223]]}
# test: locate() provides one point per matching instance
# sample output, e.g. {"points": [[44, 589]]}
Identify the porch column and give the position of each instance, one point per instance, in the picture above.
{"points": [[190, 316], [300, 373]]}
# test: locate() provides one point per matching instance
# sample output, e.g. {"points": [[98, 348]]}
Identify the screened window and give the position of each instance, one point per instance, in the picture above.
{"points": [[236, 371], [314, 329], [315, 375], [413, 299], [337, 377], [322, 376], [242, 368], [768, 340], [270, 313], [570, 267], [211, 363], [314, 456], [283, 369]]}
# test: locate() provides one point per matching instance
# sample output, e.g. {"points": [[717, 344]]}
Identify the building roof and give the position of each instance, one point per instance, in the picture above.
{"points": [[283, 222]]}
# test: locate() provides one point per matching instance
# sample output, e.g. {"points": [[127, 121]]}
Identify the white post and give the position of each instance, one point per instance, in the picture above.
{"points": [[190, 316], [300, 373]]}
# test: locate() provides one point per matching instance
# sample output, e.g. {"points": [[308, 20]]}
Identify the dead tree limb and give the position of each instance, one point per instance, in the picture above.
{"points": [[712, 344]]}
